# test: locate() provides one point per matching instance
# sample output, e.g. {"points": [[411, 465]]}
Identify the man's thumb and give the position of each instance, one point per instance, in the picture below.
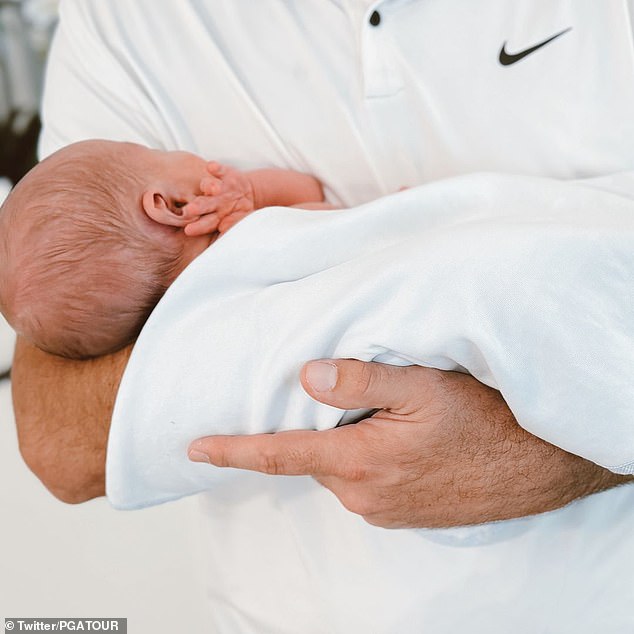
{"points": [[352, 384]]}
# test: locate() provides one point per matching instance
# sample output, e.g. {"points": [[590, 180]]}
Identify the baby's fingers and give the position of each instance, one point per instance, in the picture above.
{"points": [[216, 169], [200, 206], [228, 221], [210, 185], [203, 226]]}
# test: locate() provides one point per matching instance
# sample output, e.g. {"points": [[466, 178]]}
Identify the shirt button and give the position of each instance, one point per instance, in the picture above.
{"points": [[375, 18]]}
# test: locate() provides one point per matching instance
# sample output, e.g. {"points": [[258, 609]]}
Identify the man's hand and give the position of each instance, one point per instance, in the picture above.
{"points": [[227, 197], [443, 450]]}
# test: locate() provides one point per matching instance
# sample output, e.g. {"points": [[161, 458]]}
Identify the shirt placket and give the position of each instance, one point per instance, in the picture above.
{"points": [[381, 77], [387, 112]]}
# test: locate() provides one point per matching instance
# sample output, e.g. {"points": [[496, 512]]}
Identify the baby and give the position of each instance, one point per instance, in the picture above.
{"points": [[91, 237]]}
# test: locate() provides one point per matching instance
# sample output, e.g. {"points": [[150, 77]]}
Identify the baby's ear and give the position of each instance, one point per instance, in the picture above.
{"points": [[159, 209]]}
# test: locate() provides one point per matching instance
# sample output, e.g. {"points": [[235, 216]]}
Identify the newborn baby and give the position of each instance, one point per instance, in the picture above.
{"points": [[91, 237]]}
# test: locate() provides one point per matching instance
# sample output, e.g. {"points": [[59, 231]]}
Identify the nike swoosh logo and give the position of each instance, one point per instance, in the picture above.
{"points": [[506, 59]]}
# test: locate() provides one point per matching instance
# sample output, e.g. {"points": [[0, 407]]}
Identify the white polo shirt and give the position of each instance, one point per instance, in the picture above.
{"points": [[371, 97]]}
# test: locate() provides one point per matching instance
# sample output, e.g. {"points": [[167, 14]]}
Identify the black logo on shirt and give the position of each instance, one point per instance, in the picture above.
{"points": [[506, 59]]}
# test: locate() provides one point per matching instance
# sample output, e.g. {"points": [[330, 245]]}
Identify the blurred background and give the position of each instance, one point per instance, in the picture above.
{"points": [[58, 560], [26, 27]]}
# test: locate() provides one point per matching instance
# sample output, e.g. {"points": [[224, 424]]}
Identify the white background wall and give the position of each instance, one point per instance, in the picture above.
{"points": [[88, 560]]}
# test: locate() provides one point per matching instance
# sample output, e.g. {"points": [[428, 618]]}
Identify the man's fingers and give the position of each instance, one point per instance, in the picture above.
{"points": [[284, 453], [352, 384]]}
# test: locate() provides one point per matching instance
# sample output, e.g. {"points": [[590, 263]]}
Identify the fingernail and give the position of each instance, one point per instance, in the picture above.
{"points": [[198, 456], [321, 375]]}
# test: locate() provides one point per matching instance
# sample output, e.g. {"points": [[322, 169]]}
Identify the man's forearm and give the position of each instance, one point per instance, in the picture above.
{"points": [[523, 475], [62, 411]]}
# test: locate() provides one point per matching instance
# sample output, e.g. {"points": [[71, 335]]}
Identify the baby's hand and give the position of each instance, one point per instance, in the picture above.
{"points": [[227, 196]]}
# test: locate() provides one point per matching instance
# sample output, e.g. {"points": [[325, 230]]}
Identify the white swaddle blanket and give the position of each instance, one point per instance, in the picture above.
{"points": [[535, 300]]}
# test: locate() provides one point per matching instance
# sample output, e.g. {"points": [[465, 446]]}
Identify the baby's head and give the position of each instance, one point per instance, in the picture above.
{"points": [[89, 242]]}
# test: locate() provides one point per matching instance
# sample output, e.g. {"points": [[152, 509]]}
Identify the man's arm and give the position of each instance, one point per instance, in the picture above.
{"points": [[62, 412], [427, 461], [444, 450]]}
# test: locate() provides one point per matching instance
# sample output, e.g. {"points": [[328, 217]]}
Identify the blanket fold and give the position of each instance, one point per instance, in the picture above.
{"points": [[535, 299]]}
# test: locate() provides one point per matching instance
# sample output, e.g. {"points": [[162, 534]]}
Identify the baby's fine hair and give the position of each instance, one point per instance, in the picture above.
{"points": [[78, 275]]}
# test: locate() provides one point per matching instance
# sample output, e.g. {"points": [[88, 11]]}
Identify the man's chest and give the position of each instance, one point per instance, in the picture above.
{"points": [[409, 91]]}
